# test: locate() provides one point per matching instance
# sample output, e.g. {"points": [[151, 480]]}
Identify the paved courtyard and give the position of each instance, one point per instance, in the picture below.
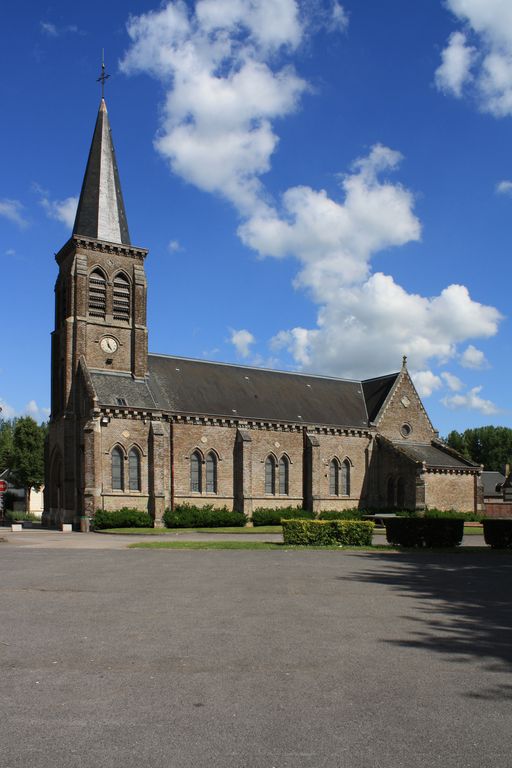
{"points": [[254, 659]]}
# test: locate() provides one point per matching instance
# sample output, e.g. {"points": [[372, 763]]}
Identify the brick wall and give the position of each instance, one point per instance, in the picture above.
{"points": [[450, 491], [500, 509], [405, 408]]}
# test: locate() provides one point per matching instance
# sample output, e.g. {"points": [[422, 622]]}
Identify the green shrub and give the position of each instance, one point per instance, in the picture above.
{"points": [[189, 516], [273, 516], [122, 518], [12, 516], [452, 514], [405, 531], [344, 514], [498, 533], [322, 533], [416, 532]]}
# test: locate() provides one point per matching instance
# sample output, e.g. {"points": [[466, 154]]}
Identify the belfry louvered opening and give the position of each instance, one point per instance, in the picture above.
{"points": [[97, 294], [121, 298]]}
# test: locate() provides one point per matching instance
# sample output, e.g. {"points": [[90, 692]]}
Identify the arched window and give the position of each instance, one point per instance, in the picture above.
{"points": [[121, 298], [391, 493], [196, 484], [211, 473], [284, 474], [134, 469], [270, 475], [97, 294], [400, 493], [345, 478], [117, 469], [334, 477]]}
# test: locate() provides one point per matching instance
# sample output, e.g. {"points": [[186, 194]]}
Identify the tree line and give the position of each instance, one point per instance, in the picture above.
{"points": [[490, 446], [22, 453]]}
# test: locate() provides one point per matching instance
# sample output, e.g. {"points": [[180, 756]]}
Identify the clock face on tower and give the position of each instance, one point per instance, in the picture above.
{"points": [[109, 344]]}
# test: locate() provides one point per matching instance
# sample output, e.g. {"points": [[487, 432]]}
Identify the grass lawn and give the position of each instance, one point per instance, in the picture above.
{"points": [[242, 545], [160, 531]]}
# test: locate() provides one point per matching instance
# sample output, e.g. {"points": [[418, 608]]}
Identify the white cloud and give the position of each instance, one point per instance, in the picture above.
{"points": [[227, 69], [471, 400], [60, 210], [339, 17], [13, 210], [426, 382], [451, 381], [455, 69], [52, 30], [242, 341], [7, 411], [488, 25], [504, 187], [473, 358], [34, 410], [174, 246], [10, 252], [224, 87]]}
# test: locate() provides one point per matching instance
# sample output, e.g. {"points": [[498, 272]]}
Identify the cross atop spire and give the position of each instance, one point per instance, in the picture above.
{"points": [[100, 212], [101, 79]]}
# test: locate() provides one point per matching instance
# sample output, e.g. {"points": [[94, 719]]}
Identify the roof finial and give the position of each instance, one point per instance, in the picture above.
{"points": [[404, 361], [101, 79]]}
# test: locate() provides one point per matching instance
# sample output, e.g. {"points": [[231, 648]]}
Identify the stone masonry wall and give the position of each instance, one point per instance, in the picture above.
{"points": [[450, 491], [405, 408]]}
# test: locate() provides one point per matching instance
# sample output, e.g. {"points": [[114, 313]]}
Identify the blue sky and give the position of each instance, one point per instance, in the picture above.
{"points": [[322, 186]]}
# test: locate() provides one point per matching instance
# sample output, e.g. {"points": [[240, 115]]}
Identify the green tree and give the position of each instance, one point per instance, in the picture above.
{"points": [[490, 446], [27, 462], [6, 442]]}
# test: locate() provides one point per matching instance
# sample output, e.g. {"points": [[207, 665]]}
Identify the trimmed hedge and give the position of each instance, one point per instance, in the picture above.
{"points": [[452, 514], [273, 516], [344, 514], [498, 533], [188, 516], [122, 518], [414, 532], [324, 533]]}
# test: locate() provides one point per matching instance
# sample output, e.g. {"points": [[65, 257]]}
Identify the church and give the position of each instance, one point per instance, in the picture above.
{"points": [[151, 431]]}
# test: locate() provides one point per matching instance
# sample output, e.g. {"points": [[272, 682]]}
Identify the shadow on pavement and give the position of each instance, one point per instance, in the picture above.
{"points": [[463, 606]]}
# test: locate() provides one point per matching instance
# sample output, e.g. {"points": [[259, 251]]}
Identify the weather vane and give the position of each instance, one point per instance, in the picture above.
{"points": [[101, 79]]}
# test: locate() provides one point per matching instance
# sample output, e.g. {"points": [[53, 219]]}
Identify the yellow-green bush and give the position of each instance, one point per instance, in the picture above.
{"points": [[325, 533]]}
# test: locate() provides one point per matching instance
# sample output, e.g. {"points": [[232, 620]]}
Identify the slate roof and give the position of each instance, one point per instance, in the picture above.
{"points": [[376, 392], [100, 213], [490, 480], [433, 455], [182, 385]]}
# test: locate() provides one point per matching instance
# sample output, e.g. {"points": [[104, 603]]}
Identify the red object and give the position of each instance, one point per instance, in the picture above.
{"points": [[3, 486]]}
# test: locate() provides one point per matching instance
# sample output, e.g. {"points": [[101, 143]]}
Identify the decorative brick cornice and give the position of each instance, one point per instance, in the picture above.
{"points": [[90, 244]]}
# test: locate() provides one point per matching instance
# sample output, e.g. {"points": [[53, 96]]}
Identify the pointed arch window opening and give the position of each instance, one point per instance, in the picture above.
{"points": [[345, 478], [270, 475], [284, 475], [117, 469], [196, 473], [334, 478], [134, 472], [97, 294], [121, 298], [211, 473]]}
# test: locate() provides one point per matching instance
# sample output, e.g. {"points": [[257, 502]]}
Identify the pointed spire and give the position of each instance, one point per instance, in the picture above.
{"points": [[100, 212]]}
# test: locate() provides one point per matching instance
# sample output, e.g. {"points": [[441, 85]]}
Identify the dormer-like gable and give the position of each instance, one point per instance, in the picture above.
{"points": [[402, 416]]}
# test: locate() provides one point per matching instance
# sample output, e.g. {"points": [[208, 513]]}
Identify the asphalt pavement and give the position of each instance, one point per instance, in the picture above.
{"points": [[254, 659]]}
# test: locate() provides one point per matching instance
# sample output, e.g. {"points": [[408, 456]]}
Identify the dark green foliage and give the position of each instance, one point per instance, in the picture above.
{"points": [[452, 514], [344, 514], [188, 516], [9, 499], [273, 516], [498, 533], [490, 446], [425, 532], [6, 443], [13, 516], [27, 460], [323, 533], [404, 531], [122, 518]]}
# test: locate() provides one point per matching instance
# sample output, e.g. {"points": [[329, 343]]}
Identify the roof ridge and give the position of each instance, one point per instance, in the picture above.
{"points": [[255, 368]]}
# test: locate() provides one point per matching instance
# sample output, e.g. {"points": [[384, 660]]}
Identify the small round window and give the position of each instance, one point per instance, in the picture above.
{"points": [[405, 430]]}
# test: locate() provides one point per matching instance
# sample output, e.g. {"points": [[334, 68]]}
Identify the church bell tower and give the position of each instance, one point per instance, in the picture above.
{"points": [[100, 315]]}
